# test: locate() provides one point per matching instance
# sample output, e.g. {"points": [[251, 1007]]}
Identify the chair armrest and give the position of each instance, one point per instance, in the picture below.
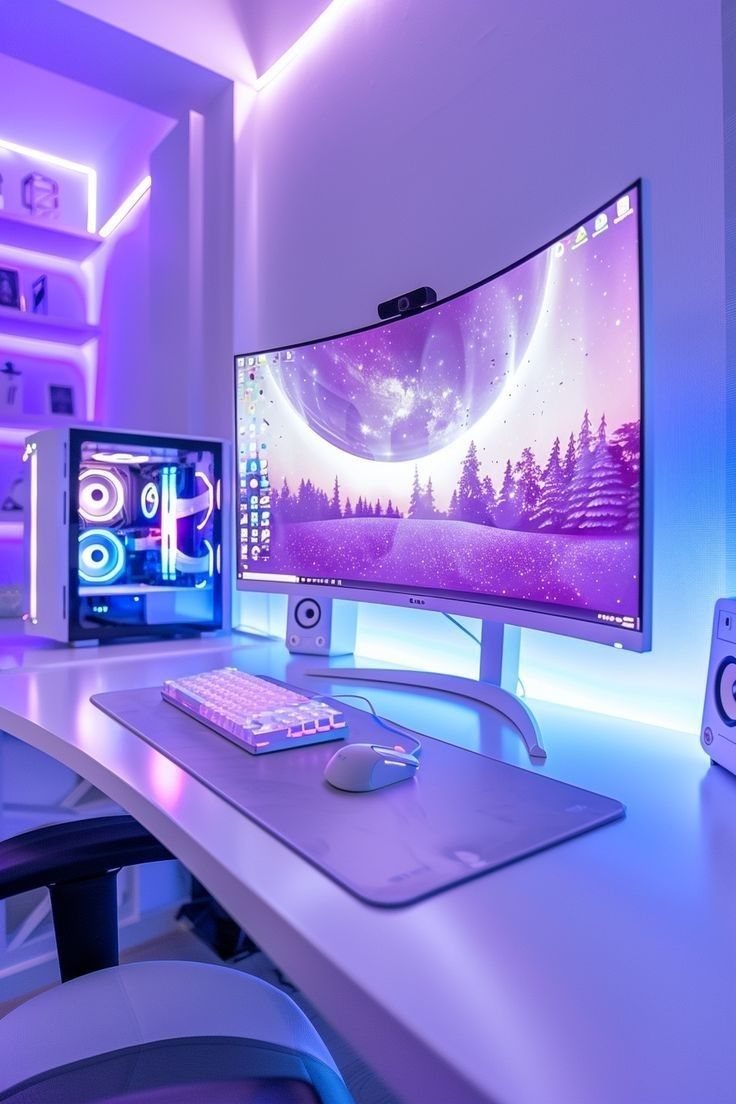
{"points": [[74, 850]]}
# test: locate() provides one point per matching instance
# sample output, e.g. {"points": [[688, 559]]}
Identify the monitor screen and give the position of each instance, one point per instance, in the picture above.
{"points": [[483, 454]]}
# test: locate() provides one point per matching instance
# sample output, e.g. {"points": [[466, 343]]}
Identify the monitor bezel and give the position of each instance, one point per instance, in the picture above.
{"points": [[492, 609]]}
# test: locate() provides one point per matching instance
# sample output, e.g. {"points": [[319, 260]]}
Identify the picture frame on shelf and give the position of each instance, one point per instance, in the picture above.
{"points": [[39, 296], [10, 295], [61, 400]]}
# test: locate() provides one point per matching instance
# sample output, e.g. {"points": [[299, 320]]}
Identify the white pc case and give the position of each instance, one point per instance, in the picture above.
{"points": [[127, 534]]}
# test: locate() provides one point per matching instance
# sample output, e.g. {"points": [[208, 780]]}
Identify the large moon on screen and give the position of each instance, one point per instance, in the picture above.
{"points": [[409, 388]]}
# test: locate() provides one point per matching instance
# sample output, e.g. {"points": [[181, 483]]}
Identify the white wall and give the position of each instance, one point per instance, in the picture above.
{"points": [[163, 286], [436, 142]]}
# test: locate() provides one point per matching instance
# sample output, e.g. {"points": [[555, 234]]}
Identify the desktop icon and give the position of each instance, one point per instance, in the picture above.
{"points": [[623, 208], [601, 224], [581, 238]]}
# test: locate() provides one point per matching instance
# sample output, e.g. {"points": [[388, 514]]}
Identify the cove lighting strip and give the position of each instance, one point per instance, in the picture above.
{"points": [[62, 162], [313, 34], [31, 456], [126, 207]]}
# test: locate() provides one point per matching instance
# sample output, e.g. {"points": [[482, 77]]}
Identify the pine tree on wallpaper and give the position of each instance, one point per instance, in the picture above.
{"points": [[415, 502], [470, 497], [335, 511], [585, 436], [594, 489], [528, 487], [430, 510], [607, 506], [550, 509], [568, 466], [489, 495]]}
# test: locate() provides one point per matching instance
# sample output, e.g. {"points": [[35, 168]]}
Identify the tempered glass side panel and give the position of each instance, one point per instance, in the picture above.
{"points": [[145, 534]]}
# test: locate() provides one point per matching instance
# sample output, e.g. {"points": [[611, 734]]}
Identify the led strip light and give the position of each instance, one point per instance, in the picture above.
{"points": [[64, 163], [321, 26], [168, 522], [32, 457], [126, 207]]}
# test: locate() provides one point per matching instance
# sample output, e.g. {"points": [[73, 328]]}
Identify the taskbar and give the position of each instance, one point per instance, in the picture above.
{"points": [[580, 613]]}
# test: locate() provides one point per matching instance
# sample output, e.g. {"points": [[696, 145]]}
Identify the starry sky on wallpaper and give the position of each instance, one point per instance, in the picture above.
{"points": [[402, 391], [512, 364]]}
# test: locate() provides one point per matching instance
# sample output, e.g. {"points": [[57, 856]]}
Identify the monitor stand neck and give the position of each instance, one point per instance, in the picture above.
{"points": [[495, 687]]}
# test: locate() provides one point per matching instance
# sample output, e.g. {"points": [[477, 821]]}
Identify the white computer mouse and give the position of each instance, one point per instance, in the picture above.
{"points": [[363, 767]]}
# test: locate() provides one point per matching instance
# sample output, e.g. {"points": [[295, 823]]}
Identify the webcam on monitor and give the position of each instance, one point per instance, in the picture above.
{"points": [[409, 303]]}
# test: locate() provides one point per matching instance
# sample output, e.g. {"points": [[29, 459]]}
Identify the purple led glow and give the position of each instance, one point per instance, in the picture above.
{"points": [[128, 204], [318, 30], [63, 162], [30, 455]]}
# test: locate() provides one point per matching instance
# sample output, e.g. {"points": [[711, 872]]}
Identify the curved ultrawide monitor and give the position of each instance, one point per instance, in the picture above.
{"points": [[481, 457]]}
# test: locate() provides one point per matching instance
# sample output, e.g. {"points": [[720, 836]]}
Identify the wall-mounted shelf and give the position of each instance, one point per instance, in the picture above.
{"points": [[46, 238], [13, 431], [30, 423], [18, 323]]}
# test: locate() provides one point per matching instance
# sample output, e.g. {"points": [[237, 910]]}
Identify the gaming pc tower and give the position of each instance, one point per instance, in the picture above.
{"points": [[125, 534]]}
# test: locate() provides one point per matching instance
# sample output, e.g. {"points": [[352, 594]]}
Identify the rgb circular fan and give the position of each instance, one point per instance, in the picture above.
{"points": [[101, 495], [101, 557]]}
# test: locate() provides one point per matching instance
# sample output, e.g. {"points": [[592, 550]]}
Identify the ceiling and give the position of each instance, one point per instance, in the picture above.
{"points": [[239, 39]]}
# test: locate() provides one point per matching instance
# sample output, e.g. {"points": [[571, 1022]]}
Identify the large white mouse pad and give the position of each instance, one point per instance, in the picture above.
{"points": [[461, 816]]}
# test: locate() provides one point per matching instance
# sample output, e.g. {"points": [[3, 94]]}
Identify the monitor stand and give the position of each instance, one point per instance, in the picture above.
{"points": [[495, 685]]}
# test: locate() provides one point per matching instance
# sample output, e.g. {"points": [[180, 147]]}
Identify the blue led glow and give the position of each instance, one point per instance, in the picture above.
{"points": [[101, 556]]}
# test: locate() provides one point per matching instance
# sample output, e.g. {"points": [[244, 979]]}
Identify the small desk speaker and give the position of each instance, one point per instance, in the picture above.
{"points": [[718, 730], [320, 626]]}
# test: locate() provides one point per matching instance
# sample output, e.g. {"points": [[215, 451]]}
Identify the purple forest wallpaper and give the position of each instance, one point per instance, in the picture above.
{"points": [[490, 445]]}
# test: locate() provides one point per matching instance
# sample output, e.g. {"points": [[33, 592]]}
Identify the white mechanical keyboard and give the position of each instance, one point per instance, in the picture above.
{"points": [[256, 713]]}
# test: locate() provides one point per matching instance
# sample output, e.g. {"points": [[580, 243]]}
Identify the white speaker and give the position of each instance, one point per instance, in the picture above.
{"points": [[320, 626], [718, 730]]}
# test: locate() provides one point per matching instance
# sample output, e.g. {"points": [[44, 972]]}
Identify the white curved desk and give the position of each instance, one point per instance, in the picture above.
{"points": [[601, 971]]}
